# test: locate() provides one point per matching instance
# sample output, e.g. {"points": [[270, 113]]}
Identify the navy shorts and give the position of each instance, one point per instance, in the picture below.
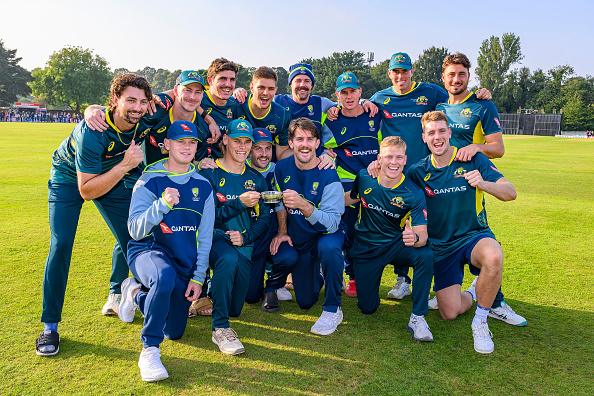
{"points": [[450, 270]]}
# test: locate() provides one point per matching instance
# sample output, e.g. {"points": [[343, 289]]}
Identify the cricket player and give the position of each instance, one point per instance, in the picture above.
{"points": [[310, 232], [391, 228], [457, 224], [171, 223], [97, 166], [241, 218]]}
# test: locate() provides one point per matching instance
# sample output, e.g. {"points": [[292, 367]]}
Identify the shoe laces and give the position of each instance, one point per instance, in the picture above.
{"points": [[483, 331], [153, 358], [329, 317], [229, 334], [507, 309], [420, 323]]}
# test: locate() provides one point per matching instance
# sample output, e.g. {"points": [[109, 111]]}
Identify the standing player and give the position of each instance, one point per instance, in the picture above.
{"points": [[354, 137], [389, 204], [217, 102], [314, 202], [261, 112], [475, 129], [171, 222], [98, 166], [241, 218], [458, 229]]}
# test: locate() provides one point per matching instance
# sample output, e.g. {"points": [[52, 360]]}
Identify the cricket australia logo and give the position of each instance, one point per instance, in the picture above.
{"points": [[229, 114], [371, 125], [466, 113], [421, 100], [459, 172], [398, 201], [310, 108], [195, 192], [314, 187], [271, 128], [249, 185], [346, 78], [143, 134]]}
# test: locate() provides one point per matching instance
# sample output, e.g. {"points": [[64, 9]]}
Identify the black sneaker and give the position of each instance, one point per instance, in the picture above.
{"points": [[48, 343], [270, 302]]}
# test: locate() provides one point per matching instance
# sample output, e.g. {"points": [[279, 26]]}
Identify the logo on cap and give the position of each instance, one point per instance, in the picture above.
{"points": [[242, 126], [399, 58], [186, 128], [262, 133], [346, 78]]}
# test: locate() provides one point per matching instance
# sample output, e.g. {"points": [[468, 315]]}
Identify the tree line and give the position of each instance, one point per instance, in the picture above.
{"points": [[76, 77]]}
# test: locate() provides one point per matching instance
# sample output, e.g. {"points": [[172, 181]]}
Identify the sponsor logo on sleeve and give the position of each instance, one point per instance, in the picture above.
{"points": [[425, 213], [497, 122], [221, 197]]}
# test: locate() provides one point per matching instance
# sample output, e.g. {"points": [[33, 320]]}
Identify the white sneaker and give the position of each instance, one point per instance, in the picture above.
{"points": [[433, 303], [483, 342], [283, 294], [151, 368], [419, 328], [112, 304], [506, 314], [327, 322], [227, 341], [127, 305], [400, 290]]}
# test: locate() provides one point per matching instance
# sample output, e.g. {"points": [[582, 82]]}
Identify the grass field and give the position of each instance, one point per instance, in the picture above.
{"points": [[547, 236]]}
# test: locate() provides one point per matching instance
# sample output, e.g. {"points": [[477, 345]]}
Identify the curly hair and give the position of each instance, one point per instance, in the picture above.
{"points": [[455, 59], [123, 81], [305, 124]]}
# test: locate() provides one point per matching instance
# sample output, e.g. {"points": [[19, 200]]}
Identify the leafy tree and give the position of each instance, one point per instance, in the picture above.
{"points": [[164, 80], [496, 56], [120, 70], [379, 74], [244, 77], [73, 77], [13, 78], [283, 78], [148, 73], [428, 67], [577, 115], [328, 69]]}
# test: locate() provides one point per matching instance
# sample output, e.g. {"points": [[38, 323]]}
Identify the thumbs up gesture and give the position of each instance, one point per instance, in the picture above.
{"points": [[133, 156], [408, 235]]}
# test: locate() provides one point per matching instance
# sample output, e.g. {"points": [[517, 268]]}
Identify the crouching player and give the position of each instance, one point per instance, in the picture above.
{"points": [[241, 218], [171, 222], [383, 234], [458, 229], [314, 202]]}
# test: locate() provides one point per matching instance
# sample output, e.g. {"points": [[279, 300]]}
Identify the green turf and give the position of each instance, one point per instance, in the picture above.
{"points": [[547, 236]]}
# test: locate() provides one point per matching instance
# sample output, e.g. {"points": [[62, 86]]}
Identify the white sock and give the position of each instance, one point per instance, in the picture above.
{"points": [[480, 315]]}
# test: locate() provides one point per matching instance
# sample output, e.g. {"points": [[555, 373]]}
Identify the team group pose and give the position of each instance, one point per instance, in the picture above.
{"points": [[184, 178]]}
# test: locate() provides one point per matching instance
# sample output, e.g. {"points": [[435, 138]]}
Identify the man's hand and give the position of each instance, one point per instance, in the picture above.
{"points": [[332, 113], [277, 240], [370, 107], [95, 119], [208, 163], [152, 108], [326, 162], [215, 132], [484, 94], [292, 199], [132, 157], [475, 179], [373, 168], [171, 196], [236, 238], [250, 198], [465, 154], [240, 95], [193, 291], [408, 235]]}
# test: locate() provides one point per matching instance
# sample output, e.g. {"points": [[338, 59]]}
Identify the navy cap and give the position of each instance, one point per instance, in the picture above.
{"points": [[400, 60], [301, 68], [188, 77], [182, 130], [240, 128], [346, 80], [262, 135]]}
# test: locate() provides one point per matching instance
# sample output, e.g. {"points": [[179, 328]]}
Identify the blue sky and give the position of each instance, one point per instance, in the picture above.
{"points": [[189, 34]]}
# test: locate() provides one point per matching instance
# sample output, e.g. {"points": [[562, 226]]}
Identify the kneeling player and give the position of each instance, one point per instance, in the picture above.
{"points": [[383, 234], [171, 222], [314, 200], [458, 229]]}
